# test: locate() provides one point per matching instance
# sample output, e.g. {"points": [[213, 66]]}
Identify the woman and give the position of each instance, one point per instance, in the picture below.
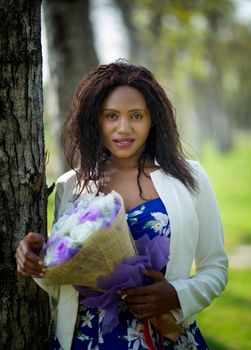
{"points": [[121, 135]]}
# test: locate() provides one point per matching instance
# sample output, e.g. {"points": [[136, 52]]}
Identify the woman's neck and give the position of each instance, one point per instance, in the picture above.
{"points": [[126, 165]]}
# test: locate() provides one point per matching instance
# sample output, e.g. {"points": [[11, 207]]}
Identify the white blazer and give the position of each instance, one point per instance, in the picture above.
{"points": [[196, 236]]}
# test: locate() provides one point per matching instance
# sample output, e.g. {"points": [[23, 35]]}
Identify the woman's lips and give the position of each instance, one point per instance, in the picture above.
{"points": [[123, 142]]}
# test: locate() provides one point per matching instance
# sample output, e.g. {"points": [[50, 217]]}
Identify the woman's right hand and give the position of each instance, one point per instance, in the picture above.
{"points": [[29, 263]]}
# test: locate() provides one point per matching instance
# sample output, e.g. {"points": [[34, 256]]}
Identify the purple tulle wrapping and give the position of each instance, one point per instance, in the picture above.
{"points": [[152, 254]]}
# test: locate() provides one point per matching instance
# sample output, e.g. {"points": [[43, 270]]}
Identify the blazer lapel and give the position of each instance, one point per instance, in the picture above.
{"points": [[168, 194]]}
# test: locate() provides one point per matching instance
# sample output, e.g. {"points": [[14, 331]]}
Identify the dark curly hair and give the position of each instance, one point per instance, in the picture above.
{"points": [[84, 149]]}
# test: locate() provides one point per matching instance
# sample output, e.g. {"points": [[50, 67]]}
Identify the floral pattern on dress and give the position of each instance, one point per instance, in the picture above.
{"points": [[135, 335], [149, 218], [160, 223]]}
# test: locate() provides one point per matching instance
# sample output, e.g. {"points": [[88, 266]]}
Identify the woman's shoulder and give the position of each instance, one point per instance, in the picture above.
{"points": [[197, 170], [68, 183], [194, 166], [69, 176]]}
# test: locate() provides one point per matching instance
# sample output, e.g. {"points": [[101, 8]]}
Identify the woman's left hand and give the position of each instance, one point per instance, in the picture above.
{"points": [[152, 300]]}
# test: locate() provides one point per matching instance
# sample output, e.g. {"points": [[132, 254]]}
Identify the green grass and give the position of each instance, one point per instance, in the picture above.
{"points": [[230, 174], [226, 323]]}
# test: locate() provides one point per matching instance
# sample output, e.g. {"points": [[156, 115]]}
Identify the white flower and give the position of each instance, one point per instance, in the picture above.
{"points": [[101, 315], [63, 225], [161, 217], [105, 204], [157, 227], [90, 346], [186, 342], [85, 200], [136, 335], [80, 233], [82, 336], [166, 231], [100, 337], [87, 319]]}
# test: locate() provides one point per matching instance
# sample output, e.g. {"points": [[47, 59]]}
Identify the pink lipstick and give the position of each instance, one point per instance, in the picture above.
{"points": [[123, 142]]}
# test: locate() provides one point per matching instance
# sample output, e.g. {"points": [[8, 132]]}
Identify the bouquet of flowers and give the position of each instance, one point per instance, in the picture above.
{"points": [[88, 241], [91, 248]]}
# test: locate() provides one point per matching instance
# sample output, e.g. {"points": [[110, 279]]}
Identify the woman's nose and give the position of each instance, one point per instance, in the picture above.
{"points": [[124, 125]]}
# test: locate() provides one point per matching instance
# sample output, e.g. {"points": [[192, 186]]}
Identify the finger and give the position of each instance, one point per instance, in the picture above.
{"points": [[26, 251], [140, 308], [156, 276], [29, 272], [35, 240], [26, 274], [27, 259], [137, 299], [140, 291], [143, 315], [27, 266]]}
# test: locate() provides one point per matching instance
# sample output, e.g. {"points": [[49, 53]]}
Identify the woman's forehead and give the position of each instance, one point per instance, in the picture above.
{"points": [[125, 95]]}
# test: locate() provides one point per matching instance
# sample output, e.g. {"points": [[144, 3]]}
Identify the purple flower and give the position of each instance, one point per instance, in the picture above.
{"points": [[60, 250], [90, 214]]}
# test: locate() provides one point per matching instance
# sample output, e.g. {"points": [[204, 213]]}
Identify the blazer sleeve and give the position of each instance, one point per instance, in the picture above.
{"points": [[211, 262]]}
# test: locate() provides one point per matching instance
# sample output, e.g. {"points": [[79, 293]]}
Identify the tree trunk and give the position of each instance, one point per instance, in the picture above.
{"points": [[71, 54], [24, 307], [136, 54]]}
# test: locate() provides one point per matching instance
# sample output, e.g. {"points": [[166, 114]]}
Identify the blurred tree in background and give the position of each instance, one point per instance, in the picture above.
{"points": [[71, 54]]}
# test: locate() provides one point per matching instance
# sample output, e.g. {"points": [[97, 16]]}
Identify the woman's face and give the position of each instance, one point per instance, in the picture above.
{"points": [[125, 122]]}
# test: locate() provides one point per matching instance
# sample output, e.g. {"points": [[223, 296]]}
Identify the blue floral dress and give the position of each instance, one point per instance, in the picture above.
{"points": [[152, 219]]}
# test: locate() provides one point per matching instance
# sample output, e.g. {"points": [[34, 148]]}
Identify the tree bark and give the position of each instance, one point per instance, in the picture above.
{"points": [[71, 54], [24, 307]]}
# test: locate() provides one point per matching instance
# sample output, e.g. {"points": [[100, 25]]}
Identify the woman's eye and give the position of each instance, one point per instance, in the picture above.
{"points": [[111, 116], [137, 116]]}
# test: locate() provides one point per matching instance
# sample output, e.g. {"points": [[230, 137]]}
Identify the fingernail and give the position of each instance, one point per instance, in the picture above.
{"points": [[42, 274], [40, 263], [123, 296], [44, 270]]}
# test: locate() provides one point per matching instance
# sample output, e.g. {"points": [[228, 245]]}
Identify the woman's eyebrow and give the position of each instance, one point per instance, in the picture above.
{"points": [[131, 110]]}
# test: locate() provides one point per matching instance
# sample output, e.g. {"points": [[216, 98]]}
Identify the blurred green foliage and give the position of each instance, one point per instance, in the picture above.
{"points": [[230, 174], [226, 322]]}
